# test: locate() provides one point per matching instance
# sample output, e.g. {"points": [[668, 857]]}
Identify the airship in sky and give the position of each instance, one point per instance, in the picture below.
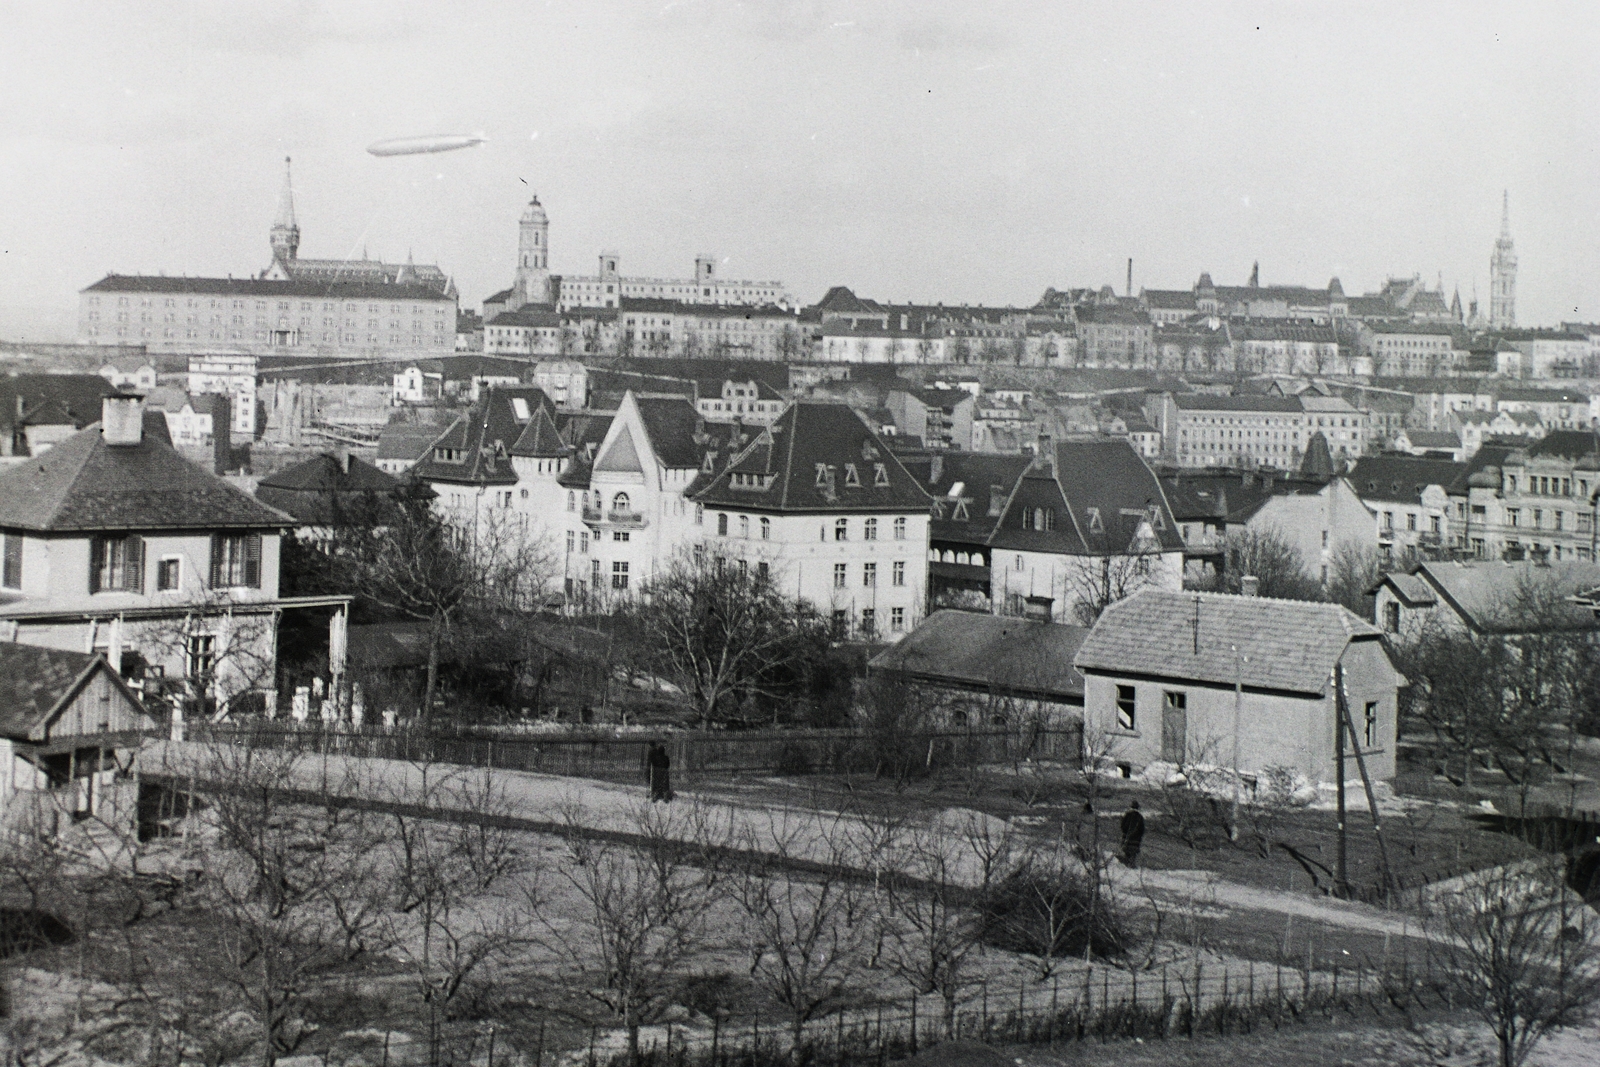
{"points": [[413, 146]]}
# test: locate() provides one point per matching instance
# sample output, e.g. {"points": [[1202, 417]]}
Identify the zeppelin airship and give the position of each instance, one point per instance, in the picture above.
{"points": [[412, 146]]}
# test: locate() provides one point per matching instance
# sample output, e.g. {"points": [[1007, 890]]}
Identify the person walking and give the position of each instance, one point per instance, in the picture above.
{"points": [[1132, 834], [659, 769]]}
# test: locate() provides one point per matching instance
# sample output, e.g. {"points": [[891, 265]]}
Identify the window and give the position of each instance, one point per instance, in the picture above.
{"points": [[572, 541], [583, 542], [1435, 523], [1411, 520], [199, 657], [699, 514], [619, 502], [897, 619], [900, 529], [841, 530], [1388, 520], [869, 530], [236, 560], [722, 524], [839, 571], [1371, 735], [841, 624], [869, 622], [880, 475], [1391, 617], [851, 477], [619, 535], [169, 574], [869, 575], [744, 526], [595, 573], [1126, 711], [619, 574], [766, 529], [899, 572], [116, 564], [762, 571], [1513, 516], [11, 571]]}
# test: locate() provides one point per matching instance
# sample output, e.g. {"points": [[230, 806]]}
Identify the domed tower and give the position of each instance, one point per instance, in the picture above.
{"points": [[533, 255], [285, 234], [1503, 274]]}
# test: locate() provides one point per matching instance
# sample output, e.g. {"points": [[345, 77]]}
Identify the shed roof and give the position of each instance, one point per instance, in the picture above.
{"points": [[37, 683]]}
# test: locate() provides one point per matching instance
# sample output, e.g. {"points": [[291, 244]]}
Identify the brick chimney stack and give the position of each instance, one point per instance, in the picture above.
{"points": [[122, 419]]}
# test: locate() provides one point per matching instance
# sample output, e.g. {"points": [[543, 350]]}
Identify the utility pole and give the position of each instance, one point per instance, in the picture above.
{"points": [[1340, 883], [1238, 701]]}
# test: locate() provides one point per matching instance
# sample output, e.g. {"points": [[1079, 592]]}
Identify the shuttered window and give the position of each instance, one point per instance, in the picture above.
{"points": [[116, 564], [235, 561]]}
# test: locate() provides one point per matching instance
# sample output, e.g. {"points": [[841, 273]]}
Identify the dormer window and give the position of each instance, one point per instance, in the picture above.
{"points": [[851, 477], [710, 462], [1096, 524], [822, 474]]}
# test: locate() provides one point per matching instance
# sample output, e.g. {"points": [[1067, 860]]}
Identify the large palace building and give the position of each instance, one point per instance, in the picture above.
{"points": [[309, 306]]}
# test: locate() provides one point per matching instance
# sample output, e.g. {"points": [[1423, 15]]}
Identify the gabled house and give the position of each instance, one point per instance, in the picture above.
{"points": [[38, 410], [70, 727], [1486, 597], [1411, 497], [819, 503], [469, 465], [330, 491], [969, 491], [113, 542], [1237, 682], [1085, 524]]}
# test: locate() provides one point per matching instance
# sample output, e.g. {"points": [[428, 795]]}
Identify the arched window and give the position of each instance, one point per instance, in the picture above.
{"points": [[766, 529], [841, 530], [572, 500], [619, 502], [722, 524], [744, 526], [869, 531]]}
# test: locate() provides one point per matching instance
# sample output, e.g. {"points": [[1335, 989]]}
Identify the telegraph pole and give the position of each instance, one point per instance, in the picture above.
{"points": [[1341, 884]]}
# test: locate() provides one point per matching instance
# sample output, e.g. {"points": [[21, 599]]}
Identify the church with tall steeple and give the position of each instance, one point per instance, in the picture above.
{"points": [[287, 265], [1503, 273]]}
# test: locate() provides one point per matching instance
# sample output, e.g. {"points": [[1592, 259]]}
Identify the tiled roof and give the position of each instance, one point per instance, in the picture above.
{"points": [[320, 492], [486, 435], [406, 440], [1568, 444], [82, 484], [782, 464], [1410, 588], [1102, 491], [994, 654], [973, 477], [1401, 479], [540, 439], [1209, 402], [671, 422], [55, 399], [1498, 596], [1433, 438], [35, 683], [1287, 645], [329, 290]]}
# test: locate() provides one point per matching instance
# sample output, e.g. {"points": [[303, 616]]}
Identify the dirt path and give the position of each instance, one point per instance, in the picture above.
{"points": [[815, 836]]}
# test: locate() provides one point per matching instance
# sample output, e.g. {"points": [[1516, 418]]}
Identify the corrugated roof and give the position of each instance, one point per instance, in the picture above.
{"points": [[1287, 645], [82, 484], [1001, 655]]}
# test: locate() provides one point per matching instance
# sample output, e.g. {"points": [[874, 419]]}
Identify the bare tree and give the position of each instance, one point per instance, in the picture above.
{"points": [[1353, 569], [1518, 949], [645, 908], [932, 927], [726, 635], [1268, 555], [1096, 582], [803, 934], [446, 574]]}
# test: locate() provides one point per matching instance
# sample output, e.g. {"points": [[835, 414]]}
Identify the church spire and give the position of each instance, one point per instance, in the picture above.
{"points": [[1503, 273], [285, 235], [1505, 215]]}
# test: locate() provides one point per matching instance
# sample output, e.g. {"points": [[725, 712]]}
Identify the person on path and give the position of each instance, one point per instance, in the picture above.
{"points": [[659, 768], [1132, 834]]}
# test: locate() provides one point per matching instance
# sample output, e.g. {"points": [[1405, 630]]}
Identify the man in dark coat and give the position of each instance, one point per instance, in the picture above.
{"points": [[659, 768], [1132, 834]]}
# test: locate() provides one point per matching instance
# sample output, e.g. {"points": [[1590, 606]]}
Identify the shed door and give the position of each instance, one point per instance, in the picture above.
{"points": [[1174, 727]]}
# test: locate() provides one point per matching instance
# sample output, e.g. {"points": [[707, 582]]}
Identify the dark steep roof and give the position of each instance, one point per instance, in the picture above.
{"points": [[973, 478], [82, 484], [999, 655], [1101, 492], [320, 492], [486, 435], [802, 463], [1401, 479]]}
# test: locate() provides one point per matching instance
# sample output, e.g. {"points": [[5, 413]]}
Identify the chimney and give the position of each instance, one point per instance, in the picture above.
{"points": [[122, 419], [221, 406], [341, 455], [936, 471], [1249, 585], [997, 499], [1130, 275]]}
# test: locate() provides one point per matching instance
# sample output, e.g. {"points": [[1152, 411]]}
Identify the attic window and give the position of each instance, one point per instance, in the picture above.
{"points": [[450, 455], [851, 477], [1095, 523], [519, 404], [822, 474], [710, 462], [880, 475], [961, 509]]}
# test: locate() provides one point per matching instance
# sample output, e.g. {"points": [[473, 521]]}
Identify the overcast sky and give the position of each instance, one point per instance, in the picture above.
{"points": [[924, 151]]}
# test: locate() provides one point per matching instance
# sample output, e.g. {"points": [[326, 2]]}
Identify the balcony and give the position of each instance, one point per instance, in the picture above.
{"points": [[622, 520]]}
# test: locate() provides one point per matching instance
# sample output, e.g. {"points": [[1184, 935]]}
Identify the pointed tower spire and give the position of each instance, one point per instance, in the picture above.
{"points": [[285, 233], [1503, 273], [1505, 214]]}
